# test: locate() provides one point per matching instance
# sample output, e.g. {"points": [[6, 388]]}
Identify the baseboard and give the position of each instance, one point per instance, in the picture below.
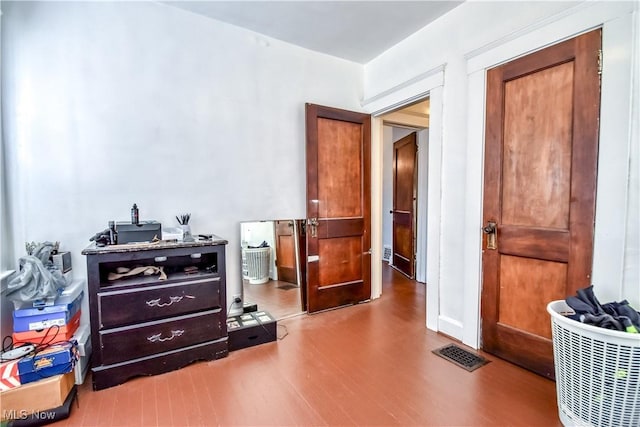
{"points": [[450, 327]]}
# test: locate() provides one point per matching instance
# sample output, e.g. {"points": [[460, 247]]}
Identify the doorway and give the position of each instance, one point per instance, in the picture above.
{"points": [[404, 221]]}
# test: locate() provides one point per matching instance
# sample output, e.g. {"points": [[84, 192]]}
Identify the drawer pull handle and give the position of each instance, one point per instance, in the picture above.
{"points": [[196, 256], [158, 337], [160, 259], [157, 303]]}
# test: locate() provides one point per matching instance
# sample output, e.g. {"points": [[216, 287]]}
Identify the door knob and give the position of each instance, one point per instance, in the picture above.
{"points": [[490, 228]]}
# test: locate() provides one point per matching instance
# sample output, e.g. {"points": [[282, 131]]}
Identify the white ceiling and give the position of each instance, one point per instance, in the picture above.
{"points": [[354, 30]]}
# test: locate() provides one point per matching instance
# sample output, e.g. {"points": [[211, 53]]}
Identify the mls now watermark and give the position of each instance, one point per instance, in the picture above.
{"points": [[15, 414]]}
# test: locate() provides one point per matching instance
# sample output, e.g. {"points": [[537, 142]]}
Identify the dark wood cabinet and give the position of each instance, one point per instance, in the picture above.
{"points": [[161, 319]]}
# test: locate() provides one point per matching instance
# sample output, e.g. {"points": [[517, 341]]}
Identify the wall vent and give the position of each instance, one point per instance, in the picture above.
{"points": [[386, 254]]}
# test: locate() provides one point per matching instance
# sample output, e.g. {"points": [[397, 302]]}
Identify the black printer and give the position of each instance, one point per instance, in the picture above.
{"points": [[144, 231]]}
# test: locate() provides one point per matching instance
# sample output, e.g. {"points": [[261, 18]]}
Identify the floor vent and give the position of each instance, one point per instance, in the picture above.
{"points": [[386, 255], [461, 357]]}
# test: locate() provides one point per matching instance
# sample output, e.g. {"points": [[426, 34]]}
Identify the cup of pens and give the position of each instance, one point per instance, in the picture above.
{"points": [[183, 221]]}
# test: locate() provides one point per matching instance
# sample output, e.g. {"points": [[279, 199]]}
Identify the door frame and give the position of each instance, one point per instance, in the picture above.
{"points": [[429, 84], [610, 221], [618, 26]]}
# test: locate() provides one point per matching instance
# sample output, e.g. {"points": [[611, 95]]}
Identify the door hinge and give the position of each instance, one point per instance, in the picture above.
{"points": [[599, 62]]}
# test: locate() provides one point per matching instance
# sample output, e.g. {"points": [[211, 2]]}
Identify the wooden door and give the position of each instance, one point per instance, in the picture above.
{"points": [[541, 147], [286, 251], [405, 175], [338, 207]]}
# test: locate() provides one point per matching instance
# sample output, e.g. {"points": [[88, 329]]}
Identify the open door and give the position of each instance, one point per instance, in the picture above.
{"points": [[405, 177], [286, 251], [338, 207], [541, 149]]}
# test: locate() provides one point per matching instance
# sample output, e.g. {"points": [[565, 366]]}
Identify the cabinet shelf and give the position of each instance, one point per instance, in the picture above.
{"points": [[136, 281]]}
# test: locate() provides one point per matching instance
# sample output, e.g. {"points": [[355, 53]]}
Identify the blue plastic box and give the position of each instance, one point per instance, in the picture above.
{"points": [[54, 360], [35, 319]]}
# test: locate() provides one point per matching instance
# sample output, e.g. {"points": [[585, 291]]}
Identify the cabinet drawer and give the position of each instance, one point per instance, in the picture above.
{"points": [[126, 343], [126, 307]]}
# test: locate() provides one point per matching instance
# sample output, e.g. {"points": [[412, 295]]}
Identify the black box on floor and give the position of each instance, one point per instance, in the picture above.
{"points": [[251, 329], [249, 307]]}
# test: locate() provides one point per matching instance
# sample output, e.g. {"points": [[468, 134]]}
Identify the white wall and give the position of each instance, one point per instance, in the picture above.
{"points": [[110, 103], [452, 42]]}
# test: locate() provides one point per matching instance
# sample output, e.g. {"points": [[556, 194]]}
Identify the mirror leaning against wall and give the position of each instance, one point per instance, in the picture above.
{"points": [[272, 275]]}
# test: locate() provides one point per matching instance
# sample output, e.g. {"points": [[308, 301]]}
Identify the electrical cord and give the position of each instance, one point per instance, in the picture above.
{"points": [[286, 331]]}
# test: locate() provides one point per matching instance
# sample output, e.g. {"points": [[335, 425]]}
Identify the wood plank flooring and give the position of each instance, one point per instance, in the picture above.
{"points": [[369, 364], [279, 298]]}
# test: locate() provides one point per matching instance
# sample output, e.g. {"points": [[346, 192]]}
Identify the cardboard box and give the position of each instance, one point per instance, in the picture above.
{"points": [[51, 335], [28, 318], [54, 360], [38, 396]]}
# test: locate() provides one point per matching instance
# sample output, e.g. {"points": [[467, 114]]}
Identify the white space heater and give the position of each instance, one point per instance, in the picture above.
{"points": [[256, 262]]}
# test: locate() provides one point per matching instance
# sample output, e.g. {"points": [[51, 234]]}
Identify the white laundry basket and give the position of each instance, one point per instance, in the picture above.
{"points": [[256, 261], [597, 372]]}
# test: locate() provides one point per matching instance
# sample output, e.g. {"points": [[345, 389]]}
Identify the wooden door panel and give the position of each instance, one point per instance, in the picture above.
{"points": [[537, 148], [527, 286], [338, 207], [540, 243], [286, 259], [286, 252], [541, 147], [338, 266], [405, 174], [338, 154]]}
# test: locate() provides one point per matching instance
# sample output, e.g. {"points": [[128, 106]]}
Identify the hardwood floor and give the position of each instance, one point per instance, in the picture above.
{"points": [[280, 299], [369, 364]]}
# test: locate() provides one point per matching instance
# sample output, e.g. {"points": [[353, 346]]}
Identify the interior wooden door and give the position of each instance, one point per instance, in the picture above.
{"points": [[541, 148], [338, 207], [286, 251], [405, 175]]}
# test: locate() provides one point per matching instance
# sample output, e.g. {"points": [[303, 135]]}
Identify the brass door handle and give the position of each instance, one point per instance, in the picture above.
{"points": [[313, 224], [492, 235]]}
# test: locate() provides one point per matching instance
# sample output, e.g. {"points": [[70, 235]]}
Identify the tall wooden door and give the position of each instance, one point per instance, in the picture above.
{"points": [[286, 251], [405, 175], [541, 148], [338, 207]]}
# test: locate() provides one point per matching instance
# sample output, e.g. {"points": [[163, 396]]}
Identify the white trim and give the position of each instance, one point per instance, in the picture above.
{"points": [[434, 207], [499, 43], [405, 93], [473, 207], [559, 27], [615, 148], [377, 143], [422, 217], [449, 326], [614, 139]]}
